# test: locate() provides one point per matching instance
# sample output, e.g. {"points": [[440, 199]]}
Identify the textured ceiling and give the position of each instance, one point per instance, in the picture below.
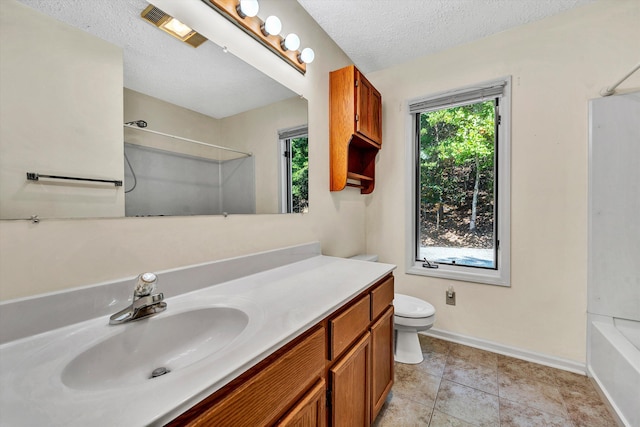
{"points": [[203, 79], [378, 34], [375, 34]]}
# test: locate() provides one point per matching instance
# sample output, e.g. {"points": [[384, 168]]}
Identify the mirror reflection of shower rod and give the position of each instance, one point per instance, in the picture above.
{"points": [[141, 125]]}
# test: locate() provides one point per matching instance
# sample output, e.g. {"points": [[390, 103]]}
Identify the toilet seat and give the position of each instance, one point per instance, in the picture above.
{"points": [[412, 308]]}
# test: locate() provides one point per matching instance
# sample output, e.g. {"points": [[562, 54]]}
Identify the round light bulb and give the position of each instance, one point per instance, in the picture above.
{"points": [[291, 42], [307, 55], [248, 8], [272, 26]]}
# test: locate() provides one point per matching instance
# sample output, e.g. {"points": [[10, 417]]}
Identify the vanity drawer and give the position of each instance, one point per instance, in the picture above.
{"points": [[268, 393], [381, 298], [349, 325]]}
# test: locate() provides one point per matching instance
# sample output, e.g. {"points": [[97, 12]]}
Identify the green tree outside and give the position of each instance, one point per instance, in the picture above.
{"points": [[300, 173], [457, 147]]}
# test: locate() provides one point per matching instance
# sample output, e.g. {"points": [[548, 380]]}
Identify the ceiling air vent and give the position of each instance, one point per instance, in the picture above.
{"points": [[172, 26]]}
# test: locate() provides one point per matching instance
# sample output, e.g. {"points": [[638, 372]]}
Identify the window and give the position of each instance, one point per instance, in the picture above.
{"points": [[294, 152], [459, 184]]}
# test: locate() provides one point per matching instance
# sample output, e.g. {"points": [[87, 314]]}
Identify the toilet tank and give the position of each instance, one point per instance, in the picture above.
{"points": [[366, 257]]}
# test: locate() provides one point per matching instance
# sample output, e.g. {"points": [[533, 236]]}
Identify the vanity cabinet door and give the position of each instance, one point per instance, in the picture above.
{"points": [[309, 411], [351, 386], [381, 361]]}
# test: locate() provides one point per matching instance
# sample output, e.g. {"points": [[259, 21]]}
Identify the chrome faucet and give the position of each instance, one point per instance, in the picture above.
{"points": [[144, 303]]}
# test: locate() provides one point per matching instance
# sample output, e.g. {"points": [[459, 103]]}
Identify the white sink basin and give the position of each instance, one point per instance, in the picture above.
{"points": [[172, 342]]}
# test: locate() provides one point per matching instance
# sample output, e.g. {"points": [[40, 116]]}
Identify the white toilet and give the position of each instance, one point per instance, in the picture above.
{"points": [[411, 315]]}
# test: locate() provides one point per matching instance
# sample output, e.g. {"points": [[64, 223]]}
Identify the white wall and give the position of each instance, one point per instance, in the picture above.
{"points": [[557, 65], [59, 254], [60, 108]]}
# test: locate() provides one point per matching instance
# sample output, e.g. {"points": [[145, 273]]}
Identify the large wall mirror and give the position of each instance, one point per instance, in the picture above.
{"points": [[89, 89]]}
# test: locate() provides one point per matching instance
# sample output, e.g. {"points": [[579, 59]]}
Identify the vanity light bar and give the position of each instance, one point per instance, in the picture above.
{"points": [[253, 26]]}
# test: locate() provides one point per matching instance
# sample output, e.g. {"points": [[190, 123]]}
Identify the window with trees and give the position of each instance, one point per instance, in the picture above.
{"points": [[460, 184], [294, 150]]}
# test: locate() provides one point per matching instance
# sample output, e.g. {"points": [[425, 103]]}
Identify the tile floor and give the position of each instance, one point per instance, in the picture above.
{"points": [[462, 386]]}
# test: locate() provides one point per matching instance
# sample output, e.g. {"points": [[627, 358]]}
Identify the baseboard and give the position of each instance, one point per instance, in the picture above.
{"points": [[518, 353]]}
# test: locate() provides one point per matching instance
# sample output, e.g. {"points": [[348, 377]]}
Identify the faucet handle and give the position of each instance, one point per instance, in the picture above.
{"points": [[145, 285]]}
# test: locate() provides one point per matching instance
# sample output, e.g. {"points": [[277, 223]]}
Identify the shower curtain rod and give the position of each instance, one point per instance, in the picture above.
{"points": [[187, 139], [612, 89]]}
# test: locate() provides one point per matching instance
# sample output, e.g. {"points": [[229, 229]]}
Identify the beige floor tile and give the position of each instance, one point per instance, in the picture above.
{"points": [[433, 363], [521, 369], [439, 419], [481, 377], [468, 404], [433, 345], [401, 412], [581, 395], [455, 386], [473, 355], [514, 414], [536, 394], [586, 409], [413, 382], [573, 381]]}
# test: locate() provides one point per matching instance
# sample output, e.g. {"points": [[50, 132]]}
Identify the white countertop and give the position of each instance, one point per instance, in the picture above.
{"points": [[282, 303]]}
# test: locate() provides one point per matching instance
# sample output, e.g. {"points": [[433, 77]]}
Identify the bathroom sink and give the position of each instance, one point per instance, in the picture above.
{"points": [[146, 350]]}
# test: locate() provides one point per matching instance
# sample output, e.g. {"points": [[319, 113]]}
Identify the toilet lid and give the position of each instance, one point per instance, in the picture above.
{"points": [[406, 306]]}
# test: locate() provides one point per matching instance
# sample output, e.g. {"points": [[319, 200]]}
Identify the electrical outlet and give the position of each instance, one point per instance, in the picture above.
{"points": [[451, 296]]}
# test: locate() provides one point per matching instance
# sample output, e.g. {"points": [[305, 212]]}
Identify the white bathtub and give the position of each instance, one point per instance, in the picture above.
{"points": [[613, 360]]}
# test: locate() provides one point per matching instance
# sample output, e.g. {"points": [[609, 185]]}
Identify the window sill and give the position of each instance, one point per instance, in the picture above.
{"points": [[486, 277]]}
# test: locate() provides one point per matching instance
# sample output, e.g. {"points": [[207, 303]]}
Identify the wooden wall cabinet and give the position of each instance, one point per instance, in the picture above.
{"points": [[348, 356], [355, 130]]}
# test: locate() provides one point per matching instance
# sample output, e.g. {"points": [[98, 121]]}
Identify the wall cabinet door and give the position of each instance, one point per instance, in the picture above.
{"points": [[381, 361], [351, 382], [309, 411], [369, 110]]}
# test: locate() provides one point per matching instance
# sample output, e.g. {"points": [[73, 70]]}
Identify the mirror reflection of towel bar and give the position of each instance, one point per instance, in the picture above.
{"points": [[33, 176]]}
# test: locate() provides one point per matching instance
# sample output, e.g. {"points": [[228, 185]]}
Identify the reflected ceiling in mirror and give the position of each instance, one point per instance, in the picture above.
{"points": [[195, 94], [203, 79]]}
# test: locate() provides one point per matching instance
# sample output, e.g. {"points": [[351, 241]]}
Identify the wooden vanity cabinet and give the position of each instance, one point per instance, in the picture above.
{"points": [[362, 375], [355, 130], [338, 373]]}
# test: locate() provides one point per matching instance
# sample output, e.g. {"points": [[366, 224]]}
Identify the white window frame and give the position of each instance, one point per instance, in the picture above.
{"points": [[502, 275], [284, 164]]}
